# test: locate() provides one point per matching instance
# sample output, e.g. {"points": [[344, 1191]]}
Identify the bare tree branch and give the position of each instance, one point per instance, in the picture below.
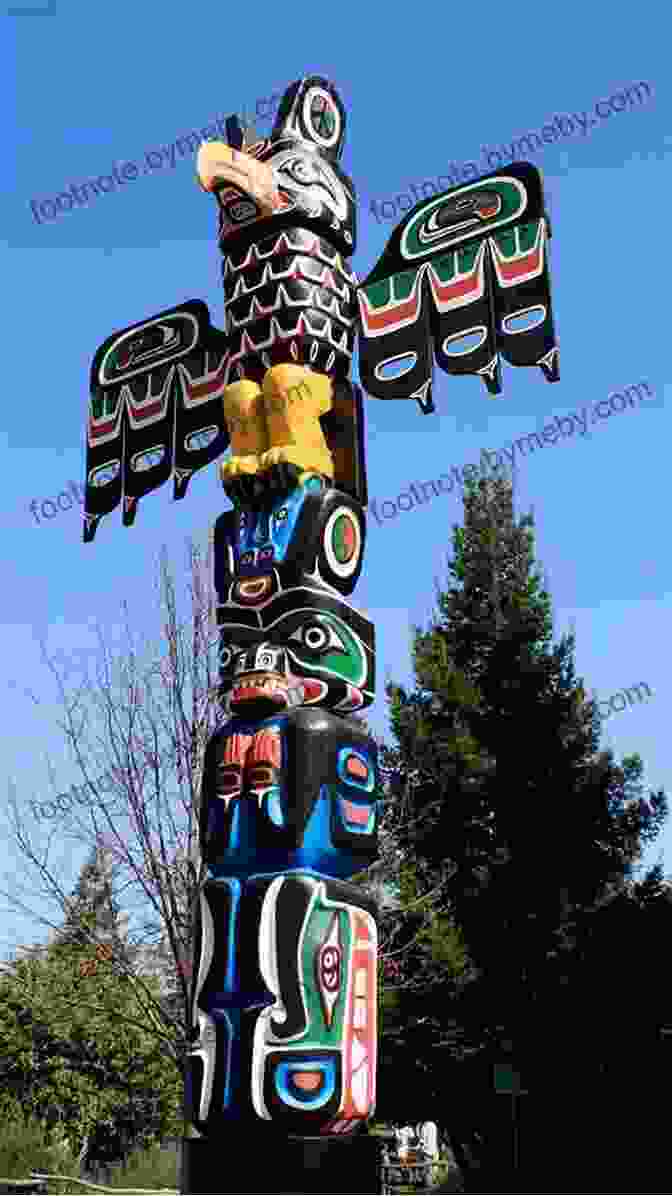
{"points": [[144, 723]]}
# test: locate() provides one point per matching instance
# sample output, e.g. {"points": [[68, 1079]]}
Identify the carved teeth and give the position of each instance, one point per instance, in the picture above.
{"points": [[267, 684]]}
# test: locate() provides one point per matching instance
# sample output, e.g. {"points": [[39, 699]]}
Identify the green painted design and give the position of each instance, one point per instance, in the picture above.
{"points": [[396, 287], [509, 245], [103, 405], [322, 118], [343, 539], [319, 1034], [513, 203], [467, 257], [460, 261], [343, 657], [351, 666]]}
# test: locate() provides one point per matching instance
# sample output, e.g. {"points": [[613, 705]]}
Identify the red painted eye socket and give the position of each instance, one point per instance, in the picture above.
{"points": [[356, 768], [356, 815], [307, 1081]]}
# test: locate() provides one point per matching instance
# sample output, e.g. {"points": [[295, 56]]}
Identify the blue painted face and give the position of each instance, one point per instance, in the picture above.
{"points": [[263, 536]]}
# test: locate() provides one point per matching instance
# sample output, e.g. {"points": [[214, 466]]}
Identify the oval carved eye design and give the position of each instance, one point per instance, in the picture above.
{"points": [[329, 970], [226, 656], [330, 966], [319, 638], [315, 637]]}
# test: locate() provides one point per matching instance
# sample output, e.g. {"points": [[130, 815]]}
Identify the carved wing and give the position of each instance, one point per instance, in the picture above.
{"points": [[468, 265], [155, 410]]}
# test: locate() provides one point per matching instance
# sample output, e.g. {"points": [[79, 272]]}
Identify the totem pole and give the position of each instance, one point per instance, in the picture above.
{"points": [[283, 1061]]}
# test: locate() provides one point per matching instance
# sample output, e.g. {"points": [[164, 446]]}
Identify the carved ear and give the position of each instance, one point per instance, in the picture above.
{"points": [[240, 131], [311, 110], [250, 135], [235, 131]]}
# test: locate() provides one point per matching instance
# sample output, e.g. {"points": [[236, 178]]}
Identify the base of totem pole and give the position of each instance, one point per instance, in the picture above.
{"points": [[282, 1166]]}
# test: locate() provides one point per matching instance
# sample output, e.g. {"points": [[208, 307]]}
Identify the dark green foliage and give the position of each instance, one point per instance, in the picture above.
{"points": [[151, 1168], [25, 1147], [92, 907], [29, 1145], [513, 823]]}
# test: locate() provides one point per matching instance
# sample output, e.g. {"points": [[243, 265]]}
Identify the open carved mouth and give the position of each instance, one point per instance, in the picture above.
{"points": [[260, 687], [252, 589]]}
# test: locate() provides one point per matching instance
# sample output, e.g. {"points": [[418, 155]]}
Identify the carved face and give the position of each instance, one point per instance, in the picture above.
{"points": [[296, 790], [312, 534], [329, 646], [302, 154], [262, 537], [261, 680], [314, 1057], [301, 1004]]}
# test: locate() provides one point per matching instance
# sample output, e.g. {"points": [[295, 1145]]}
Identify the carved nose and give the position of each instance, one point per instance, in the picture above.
{"points": [[219, 165]]}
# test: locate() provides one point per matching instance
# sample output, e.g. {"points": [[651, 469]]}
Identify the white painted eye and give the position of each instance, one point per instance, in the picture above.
{"points": [[318, 637], [315, 638]]}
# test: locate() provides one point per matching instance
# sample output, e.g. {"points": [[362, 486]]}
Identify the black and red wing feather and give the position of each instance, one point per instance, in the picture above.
{"points": [[464, 281], [155, 410]]}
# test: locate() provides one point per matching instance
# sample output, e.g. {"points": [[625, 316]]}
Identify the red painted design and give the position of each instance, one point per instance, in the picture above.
{"points": [[266, 748], [396, 312], [523, 265], [513, 270], [236, 748], [202, 388], [359, 1046], [356, 767], [353, 700], [460, 291], [313, 689], [354, 813], [307, 1081], [197, 389]]}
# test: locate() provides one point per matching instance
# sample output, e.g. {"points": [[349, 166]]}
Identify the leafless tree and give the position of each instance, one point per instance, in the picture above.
{"points": [[144, 721]]}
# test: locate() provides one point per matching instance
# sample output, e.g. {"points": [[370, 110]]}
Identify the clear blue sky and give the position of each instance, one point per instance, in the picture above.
{"points": [[88, 88]]}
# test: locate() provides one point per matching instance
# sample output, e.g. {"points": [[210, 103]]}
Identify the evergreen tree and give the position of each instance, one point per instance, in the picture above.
{"points": [[505, 810], [93, 914]]}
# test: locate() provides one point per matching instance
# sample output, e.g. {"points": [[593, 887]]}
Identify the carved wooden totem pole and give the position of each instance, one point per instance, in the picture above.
{"points": [[283, 1064]]}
